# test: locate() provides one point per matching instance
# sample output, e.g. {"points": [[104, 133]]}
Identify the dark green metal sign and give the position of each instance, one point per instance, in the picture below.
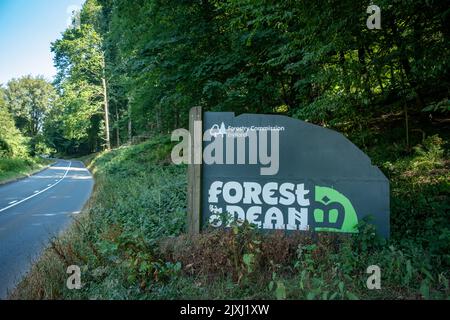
{"points": [[280, 173]]}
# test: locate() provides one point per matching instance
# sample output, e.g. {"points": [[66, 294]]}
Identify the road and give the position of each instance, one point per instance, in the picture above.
{"points": [[34, 209]]}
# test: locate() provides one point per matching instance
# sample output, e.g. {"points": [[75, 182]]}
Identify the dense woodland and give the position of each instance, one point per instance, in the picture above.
{"points": [[315, 61], [148, 62], [130, 70]]}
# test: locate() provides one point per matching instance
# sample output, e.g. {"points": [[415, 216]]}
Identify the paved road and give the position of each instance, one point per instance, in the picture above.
{"points": [[33, 210]]}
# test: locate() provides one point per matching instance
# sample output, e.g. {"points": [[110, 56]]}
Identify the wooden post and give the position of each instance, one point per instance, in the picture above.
{"points": [[195, 170]]}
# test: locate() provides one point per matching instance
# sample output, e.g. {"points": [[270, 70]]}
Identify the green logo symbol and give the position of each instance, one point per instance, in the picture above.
{"points": [[334, 212]]}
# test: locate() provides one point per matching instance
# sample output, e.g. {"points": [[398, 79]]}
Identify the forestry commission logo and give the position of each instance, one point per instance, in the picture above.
{"points": [[239, 132], [216, 131]]}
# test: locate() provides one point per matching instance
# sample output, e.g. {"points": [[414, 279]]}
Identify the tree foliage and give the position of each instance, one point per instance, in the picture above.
{"points": [[29, 99], [314, 61], [12, 142], [76, 124]]}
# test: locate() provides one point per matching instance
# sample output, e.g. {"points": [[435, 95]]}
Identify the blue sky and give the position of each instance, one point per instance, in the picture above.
{"points": [[27, 27]]}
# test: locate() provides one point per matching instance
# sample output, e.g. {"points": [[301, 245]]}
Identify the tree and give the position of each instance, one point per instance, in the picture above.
{"points": [[29, 99], [12, 142], [81, 79]]}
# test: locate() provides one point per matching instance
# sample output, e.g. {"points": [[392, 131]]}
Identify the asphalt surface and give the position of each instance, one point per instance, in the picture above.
{"points": [[35, 209]]}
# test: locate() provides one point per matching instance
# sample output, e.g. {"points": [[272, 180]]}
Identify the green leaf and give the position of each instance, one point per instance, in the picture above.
{"points": [[333, 296], [425, 289], [427, 273], [341, 287], [249, 259], [310, 296], [280, 292]]}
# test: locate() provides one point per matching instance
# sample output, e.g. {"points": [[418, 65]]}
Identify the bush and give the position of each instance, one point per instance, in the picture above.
{"points": [[429, 154]]}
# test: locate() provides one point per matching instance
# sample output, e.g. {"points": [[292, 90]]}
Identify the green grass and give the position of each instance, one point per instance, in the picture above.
{"points": [[87, 159], [14, 168], [129, 240]]}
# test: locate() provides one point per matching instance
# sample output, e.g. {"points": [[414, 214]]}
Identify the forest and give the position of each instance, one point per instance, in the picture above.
{"points": [[129, 71], [148, 62]]}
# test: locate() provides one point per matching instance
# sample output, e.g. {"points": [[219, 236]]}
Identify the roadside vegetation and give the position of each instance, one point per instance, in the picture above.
{"points": [[130, 241], [16, 168], [16, 160]]}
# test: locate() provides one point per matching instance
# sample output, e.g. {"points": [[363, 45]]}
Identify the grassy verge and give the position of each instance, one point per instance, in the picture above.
{"points": [[87, 160], [129, 241], [16, 168]]}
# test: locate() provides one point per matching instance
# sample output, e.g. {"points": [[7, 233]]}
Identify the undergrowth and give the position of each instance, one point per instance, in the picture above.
{"points": [[130, 241]]}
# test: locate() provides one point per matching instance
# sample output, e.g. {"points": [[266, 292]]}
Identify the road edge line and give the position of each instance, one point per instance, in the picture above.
{"points": [[42, 191]]}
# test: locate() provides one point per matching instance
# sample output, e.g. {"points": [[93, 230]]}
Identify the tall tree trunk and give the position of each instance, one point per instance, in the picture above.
{"points": [[406, 66], [365, 72], [117, 127], [105, 103], [130, 132], [405, 110], [344, 72], [158, 122]]}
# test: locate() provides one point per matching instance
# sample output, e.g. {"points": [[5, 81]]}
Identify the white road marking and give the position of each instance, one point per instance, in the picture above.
{"points": [[13, 201], [39, 192]]}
